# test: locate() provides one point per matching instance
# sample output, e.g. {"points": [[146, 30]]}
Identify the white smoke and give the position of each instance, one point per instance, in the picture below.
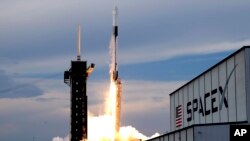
{"points": [[100, 127], [129, 133], [61, 139], [154, 135]]}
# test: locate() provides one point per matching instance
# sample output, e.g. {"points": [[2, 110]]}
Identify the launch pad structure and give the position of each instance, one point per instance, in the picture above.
{"points": [[76, 78]]}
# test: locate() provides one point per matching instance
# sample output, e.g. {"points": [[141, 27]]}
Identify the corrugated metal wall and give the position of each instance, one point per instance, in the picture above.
{"points": [[198, 133], [205, 92], [247, 58], [183, 135], [211, 133]]}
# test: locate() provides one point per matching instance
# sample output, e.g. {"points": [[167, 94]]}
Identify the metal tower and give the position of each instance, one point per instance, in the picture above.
{"points": [[76, 78]]}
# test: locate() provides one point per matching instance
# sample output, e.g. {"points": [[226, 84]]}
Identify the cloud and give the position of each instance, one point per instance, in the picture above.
{"points": [[162, 51], [30, 117], [13, 89], [42, 23], [186, 28], [8, 129], [137, 93], [152, 94], [61, 139], [148, 53], [57, 63], [46, 99]]}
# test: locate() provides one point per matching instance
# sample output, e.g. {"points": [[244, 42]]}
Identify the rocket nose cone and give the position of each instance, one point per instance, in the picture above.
{"points": [[115, 15], [115, 10]]}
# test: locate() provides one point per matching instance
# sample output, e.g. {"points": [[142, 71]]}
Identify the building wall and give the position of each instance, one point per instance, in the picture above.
{"points": [[211, 133], [198, 133], [183, 135], [200, 98], [247, 58]]}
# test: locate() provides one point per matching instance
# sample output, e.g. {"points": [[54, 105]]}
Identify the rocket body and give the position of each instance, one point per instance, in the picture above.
{"points": [[115, 43], [114, 69]]}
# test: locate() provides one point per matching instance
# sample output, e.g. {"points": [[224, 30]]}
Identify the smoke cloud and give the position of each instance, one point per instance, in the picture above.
{"points": [[61, 139], [100, 128]]}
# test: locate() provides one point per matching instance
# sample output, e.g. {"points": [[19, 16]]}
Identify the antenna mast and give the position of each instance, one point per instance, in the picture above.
{"points": [[79, 44]]}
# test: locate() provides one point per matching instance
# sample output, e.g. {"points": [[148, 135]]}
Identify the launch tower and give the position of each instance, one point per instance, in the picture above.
{"points": [[76, 78]]}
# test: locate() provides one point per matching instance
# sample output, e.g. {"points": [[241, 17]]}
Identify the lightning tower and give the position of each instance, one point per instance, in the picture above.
{"points": [[76, 78]]}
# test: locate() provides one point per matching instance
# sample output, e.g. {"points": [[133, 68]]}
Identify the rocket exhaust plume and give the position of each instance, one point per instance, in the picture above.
{"points": [[114, 78]]}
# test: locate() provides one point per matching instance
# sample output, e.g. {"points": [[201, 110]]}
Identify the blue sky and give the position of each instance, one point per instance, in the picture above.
{"points": [[162, 45]]}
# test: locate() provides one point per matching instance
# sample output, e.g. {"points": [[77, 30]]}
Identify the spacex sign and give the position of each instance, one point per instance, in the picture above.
{"points": [[216, 96], [192, 106], [197, 106]]}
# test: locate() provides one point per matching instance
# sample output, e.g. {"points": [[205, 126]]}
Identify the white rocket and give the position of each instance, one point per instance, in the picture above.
{"points": [[115, 43], [114, 71]]}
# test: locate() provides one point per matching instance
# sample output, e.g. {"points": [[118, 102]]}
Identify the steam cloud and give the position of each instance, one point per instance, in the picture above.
{"points": [[100, 127]]}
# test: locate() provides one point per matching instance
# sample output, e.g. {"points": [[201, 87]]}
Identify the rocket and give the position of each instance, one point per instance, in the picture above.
{"points": [[115, 43], [114, 69]]}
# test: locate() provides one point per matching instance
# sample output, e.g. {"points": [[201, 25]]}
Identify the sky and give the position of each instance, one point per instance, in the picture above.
{"points": [[162, 45]]}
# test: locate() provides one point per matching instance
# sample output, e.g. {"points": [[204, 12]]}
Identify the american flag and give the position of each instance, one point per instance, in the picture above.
{"points": [[178, 119]]}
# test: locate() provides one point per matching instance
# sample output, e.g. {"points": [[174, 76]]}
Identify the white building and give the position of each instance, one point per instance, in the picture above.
{"points": [[204, 108]]}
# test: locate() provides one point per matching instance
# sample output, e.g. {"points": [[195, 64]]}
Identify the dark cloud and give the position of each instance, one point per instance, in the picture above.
{"points": [[180, 24], [46, 99], [12, 89]]}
